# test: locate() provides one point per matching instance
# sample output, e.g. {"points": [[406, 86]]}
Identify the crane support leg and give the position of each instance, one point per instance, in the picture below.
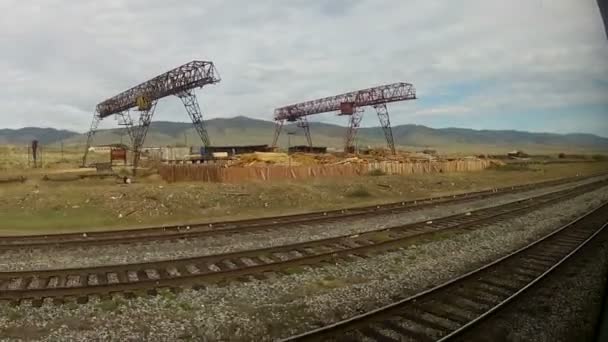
{"points": [[194, 111], [351, 133], [90, 135], [385, 122], [126, 120], [303, 122], [278, 125], [139, 133]]}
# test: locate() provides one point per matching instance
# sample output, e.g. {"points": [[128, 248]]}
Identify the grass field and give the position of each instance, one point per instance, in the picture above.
{"points": [[17, 159], [38, 206]]}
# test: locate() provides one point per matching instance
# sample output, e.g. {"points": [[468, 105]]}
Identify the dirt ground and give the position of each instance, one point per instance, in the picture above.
{"points": [[38, 206]]}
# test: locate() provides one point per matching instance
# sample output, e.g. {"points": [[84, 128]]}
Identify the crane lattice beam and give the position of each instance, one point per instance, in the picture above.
{"points": [[348, 104], [360, 98], [176, 81]]}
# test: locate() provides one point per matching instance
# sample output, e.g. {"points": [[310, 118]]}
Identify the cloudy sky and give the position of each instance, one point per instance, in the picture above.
{"points": [[539, 65]]}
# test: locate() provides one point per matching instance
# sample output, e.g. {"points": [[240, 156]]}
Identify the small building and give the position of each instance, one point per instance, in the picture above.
{"points": [[118, 152], [166, 153], [100, 148]]}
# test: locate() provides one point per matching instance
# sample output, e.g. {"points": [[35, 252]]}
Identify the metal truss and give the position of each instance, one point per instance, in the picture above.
{"points": [[278, 125], [351, 132], [126, 120], [139, 133], [303, 123], [360, 98], [90, 135], [385, 122], [191, 75], [194, 111]]}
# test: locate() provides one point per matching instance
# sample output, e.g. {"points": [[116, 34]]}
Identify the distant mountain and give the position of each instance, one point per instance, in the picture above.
{"points": [[242, 130], [27, 134]]}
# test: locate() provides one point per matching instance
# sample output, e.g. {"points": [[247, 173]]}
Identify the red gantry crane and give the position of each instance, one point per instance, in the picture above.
{"points": [[351, 104]]}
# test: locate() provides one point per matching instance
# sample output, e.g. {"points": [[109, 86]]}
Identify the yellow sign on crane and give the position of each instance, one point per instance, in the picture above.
{"points": [[143, 103]]}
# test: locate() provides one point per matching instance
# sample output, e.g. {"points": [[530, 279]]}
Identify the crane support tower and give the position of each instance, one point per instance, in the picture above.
{"points": [[181, 82], [351, 104]]}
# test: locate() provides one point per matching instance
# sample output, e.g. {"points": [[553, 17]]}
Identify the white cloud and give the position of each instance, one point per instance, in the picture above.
{"points": [[59, 58], [444, 110]]}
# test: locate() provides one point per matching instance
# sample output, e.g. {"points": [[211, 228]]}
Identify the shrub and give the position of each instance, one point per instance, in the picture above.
{"points": [[359, 191]]}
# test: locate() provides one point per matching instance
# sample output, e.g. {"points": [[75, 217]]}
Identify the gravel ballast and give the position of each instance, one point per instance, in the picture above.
{"points": [[68, 257], [266, 310], [565, 306]]}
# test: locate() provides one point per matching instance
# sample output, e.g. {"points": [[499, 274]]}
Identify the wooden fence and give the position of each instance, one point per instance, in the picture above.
{"points": [[397, 168], [217, 173]]}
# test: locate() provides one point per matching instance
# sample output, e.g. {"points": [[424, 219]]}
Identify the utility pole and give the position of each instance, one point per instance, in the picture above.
{"points": [[61, 150]]}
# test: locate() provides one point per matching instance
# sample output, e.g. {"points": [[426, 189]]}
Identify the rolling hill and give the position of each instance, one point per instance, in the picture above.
{"points": [[243, 130]]}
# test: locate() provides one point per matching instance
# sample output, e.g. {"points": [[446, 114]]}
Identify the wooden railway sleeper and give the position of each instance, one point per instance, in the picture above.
{"points": [[526, 272], [435, 310], [420, 319], [462, 304], [497, 284], [375, 335], [482, 290], [475, 295], [535, 266], [393, 325]]}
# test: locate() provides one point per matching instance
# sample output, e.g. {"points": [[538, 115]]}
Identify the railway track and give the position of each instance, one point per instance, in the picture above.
{"points": [[280, 222], [139, 278], [446, 312]]}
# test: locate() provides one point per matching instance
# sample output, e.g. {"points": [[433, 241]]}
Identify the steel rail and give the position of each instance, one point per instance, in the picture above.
{"points": [[207, 229], [487, 314], [406, 317], [196, 271]]}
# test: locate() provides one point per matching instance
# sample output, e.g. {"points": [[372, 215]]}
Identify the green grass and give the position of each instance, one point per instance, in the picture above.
{"points": [[294, 270], [359, 191], [111, 305], [513, 167], [599, 157], [39, 207], [32, 221], [13, 315]]}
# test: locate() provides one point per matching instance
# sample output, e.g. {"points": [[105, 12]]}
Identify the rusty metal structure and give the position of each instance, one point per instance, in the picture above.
{"points": [[142, 98], [351, 104], [118, 152]]}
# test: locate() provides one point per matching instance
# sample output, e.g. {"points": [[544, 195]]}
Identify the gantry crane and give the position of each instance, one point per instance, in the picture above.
{"points": [[180, 82], [351, 104]]}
